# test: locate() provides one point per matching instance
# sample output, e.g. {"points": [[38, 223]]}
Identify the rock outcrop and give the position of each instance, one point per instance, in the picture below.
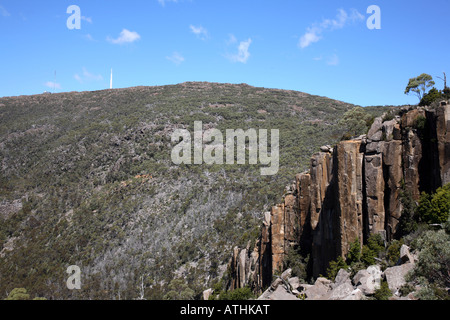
{"points": [[350, 192], [363, 285]]}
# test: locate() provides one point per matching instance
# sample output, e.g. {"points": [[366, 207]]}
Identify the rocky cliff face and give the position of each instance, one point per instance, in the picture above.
{"points": [[351, 191]]}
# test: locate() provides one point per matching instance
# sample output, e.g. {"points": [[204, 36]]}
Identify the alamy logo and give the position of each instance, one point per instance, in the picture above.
{"points": [[208, 147], [74, 21], [374, 21], [74, 281]]}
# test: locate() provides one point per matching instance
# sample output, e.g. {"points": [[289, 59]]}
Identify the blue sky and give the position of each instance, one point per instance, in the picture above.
{"points": [[321, 47]]}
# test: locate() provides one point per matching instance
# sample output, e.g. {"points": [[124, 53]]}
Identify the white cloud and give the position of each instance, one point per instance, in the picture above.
{"points": [[78, 78], [200, 32], [243, 53], [311, 36], [87, 19], [52, 85], [126, 36], [231, 39], [314, 33], [356, 15], [89, 37], [4, 12], [337, 23], [333, 60], [176, 58], [163, 2], [87, 76]]}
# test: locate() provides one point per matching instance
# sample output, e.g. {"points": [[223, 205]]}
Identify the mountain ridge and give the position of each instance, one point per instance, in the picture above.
{"points": [[76, 188]]}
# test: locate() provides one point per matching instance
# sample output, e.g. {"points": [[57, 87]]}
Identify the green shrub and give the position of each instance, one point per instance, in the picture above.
{"points": [[388, 116], [335, 266], [435, 208], [356, 121], [383, 293], [446, 93], [432, 292], [406, 289], [296, 262], [434, 258], [179, 290], [354, 252], [347, 136], [372, 249], [375, 243], [420, 123], [409, 218], [393, 252], [368, 256], [430, 97], [237, 294]]}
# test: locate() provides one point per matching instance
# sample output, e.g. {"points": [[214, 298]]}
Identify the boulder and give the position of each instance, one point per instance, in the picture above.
{"points": [[405, 254], [342, 276], [374, 147], [340, 291], [377, 136], [375, 274], [326, 148], [281, 293], [395, 276], [294, 283], [286, 274], [361, 274], [368, 280], [278, 291], [388, 129], [303, 287], [397, 132], [355, 295], [375, 128], [341, 288], [318, 290]]}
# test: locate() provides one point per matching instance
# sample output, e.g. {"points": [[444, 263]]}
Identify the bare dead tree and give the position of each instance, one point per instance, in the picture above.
{"points": [[141, 289], [444, 79]]}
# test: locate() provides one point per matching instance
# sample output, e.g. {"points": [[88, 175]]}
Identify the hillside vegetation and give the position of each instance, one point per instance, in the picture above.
{"points": [[86, 179]]}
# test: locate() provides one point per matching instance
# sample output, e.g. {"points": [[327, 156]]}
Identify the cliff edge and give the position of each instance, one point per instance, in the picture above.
{"points": [[350, 192]]}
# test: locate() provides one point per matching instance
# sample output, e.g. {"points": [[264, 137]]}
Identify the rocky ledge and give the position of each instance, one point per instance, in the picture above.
{"points": [[362, 286]]}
